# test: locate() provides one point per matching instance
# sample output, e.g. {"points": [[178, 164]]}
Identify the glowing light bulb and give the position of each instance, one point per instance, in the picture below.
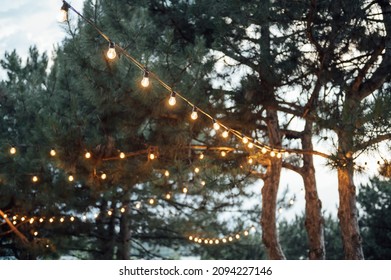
{"points": [[196, 170], [246, 233], [23, 219], [250, 145], [122, 155], [109, 212], [286, 154], [167, 173], [168, 196], [216, 125], [72, 219], [152, 201], [279, 155], [196, 239], [190, 238], [14, 218], [223, 153], [206, 241], [103, 176], [250, 161], [272, 153], [264, 150], [62, 220], [291, 202], [145, 80], [35, 179], [71, 178], [14, 222], [172, 100], [35, 233], [253, 229], [111, 53], [87, 155], [152, 156], [203, 183], [245, 140], [194, 114], [53, 152], [63, 14], [51, 220], [12, 150], [122, 210], [217, 241], [211, 242], [224, 240], [185, 190], [31, 221], [138, 205], [225, 134], [230, 239], [237, 236], [41, 220], [202, 156]]}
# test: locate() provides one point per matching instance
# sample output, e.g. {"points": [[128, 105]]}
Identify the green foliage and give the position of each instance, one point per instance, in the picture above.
{"points": [[375, 199]]}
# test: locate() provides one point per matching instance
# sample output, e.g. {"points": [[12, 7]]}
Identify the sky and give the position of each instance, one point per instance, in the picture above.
{"points": [[31, 22]]}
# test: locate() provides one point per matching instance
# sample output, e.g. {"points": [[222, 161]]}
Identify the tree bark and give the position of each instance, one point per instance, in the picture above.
{"points": [[269, 194], [124, 235], [314, 222]]}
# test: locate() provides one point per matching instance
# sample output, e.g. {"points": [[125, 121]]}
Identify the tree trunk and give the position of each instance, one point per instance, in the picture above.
{"points": [[314, 222], [347, 214], [269, 194], [123, 252]]}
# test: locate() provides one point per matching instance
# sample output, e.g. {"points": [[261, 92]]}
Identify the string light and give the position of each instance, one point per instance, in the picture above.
{"points": [[225, 134], [111, 53], [264, 150], [145, 80], [87, 155], [63, 14], [194, 113], [244, 139], [197, 170], [53, 152], [168, 196], [250, 145], [167, 173], [272, 153], [103, 176], [172, 99], [250, 161], [71, 178], [185, 190], [223, 153], [12, 150], [202, 156], [151, 201], [216, 125], [151, 156], [138, 205], [122, 155]]}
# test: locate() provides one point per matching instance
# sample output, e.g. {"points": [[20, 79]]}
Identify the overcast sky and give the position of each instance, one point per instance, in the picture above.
{"points": [[24, 23]]}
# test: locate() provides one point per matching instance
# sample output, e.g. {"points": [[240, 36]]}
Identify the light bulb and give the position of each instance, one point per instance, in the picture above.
{"points": [[51, 220], [237, 236], [216, 125], [71, 178], [230, 239], [35, 233], [151, 201], [168, 196], [223, 153], [246, 233], [52, 152], [72, 219], [250, 161], [145, 80], [123, 210], [203, 183], [87, 155], [41, 220], [172, 100], [109, 212], [152, 156], [217, 241], [279, 155], [35, 179], [23, 219], [196, 170], [264, 150], [111, 54], [194, 114], [138, 205], [62, 219], [224, 240], [63, 15], [202, 156], [13, 150], [245, 140], [190, 238], [225, 134], [31, 221], [272, 153], [103, 176], [184, 190], [250, 145], [167, 173], [122, 155]]}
